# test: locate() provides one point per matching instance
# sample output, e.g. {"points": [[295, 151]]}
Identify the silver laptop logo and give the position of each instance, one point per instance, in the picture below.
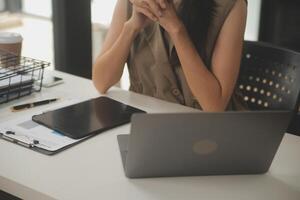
{"points": [[205, 147]]}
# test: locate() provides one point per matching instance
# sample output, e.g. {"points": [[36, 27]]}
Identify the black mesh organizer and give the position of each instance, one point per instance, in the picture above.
{"points": [[19, 76]]}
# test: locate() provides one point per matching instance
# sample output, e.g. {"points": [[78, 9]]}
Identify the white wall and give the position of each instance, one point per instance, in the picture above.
{"points": [[252, 30], [102, 11], [38, 7], [2, 5]]}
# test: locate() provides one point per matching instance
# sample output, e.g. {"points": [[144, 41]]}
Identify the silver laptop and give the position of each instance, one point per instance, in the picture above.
{"points": [[195, 144]]}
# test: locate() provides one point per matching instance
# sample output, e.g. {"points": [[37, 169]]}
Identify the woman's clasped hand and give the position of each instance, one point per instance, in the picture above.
{"points": [[161, 11]]}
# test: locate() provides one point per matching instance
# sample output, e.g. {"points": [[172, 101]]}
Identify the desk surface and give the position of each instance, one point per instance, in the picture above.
{"points": [[93, 169]]}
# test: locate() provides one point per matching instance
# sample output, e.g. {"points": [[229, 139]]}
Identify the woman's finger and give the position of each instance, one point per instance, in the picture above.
{"points": [[162, 3], [147, 13], [155, 7]]}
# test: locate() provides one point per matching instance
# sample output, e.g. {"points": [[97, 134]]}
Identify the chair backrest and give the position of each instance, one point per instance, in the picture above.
{"points": [[270, 80], [269, 77]]}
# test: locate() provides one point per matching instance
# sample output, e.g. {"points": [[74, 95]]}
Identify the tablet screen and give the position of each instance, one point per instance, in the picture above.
{"points": [[87, 118]]}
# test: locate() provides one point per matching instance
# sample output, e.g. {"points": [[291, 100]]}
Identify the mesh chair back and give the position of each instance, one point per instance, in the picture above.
{"points": [[269, 77]]}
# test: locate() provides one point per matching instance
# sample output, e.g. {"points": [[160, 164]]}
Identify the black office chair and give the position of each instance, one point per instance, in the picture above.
{"points": [[269, 80]]}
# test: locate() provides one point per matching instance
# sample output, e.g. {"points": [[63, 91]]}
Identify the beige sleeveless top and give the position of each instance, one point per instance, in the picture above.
{"points": [[151, 66]]}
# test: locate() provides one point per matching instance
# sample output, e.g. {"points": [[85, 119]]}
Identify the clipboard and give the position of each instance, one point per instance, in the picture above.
{"points": [[26, 137], [32, 147]]}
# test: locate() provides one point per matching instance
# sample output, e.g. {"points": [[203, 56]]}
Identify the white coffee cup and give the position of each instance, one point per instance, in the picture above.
{"points": [[11, 42]]}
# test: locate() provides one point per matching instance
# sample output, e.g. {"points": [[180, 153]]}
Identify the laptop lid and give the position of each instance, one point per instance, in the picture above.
{"points": [[166, 145]]}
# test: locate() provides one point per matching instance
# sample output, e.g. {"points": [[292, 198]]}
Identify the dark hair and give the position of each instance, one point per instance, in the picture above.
{"points": [[197, 16]]}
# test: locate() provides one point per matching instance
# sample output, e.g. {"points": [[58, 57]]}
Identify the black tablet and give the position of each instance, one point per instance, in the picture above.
{"points": [[87, 118]]}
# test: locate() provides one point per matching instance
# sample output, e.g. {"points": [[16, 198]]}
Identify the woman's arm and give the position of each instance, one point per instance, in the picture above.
{"points": [[213, 89], [109, 65]]}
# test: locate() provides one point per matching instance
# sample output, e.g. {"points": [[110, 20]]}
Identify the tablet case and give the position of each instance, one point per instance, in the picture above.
{"points": [[87, 118]]}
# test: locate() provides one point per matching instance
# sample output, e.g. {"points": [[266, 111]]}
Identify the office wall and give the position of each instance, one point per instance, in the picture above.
{"points": [[2, 5], [102, 11], [280, 23], [253, 20], [38, 7]]}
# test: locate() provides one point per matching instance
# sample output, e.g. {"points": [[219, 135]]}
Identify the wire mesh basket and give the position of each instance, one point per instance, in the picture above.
{"points": [[19, 76]]}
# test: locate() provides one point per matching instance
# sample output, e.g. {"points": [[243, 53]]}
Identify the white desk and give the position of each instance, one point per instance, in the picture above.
{"points": [[93, 169]]}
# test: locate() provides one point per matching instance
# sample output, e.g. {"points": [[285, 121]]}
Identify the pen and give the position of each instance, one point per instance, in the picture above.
{"points": [[31, 105]]}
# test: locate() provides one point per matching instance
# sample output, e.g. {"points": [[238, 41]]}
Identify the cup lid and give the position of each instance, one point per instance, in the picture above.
{"points": [[10, 38]]}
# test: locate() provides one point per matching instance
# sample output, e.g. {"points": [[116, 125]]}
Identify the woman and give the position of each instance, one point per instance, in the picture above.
{"points": [[183, 51]]}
